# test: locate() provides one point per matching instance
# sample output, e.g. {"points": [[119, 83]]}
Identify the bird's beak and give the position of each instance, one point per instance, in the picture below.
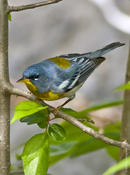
{"points": [[22, 80]]}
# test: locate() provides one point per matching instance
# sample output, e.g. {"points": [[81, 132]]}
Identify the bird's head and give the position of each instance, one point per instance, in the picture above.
{"points": [[32, 78], [32, 74]]}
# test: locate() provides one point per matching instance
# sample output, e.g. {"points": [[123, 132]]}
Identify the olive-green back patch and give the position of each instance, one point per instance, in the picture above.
{"points": [[61, 62]]}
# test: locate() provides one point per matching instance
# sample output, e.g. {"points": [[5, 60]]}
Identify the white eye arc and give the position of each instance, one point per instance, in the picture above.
{"points": [[34, 77]]}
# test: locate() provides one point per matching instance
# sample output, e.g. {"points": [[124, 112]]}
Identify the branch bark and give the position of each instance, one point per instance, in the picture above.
{"points": [[4, 96], [125, 133], [71, 120], [31, 6], [92, 132]]}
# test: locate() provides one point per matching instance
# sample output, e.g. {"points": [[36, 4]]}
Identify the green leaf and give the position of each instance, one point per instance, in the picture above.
{"points": [[61, 148], [18, 156], [77, 114], [113, 127], [60, 151], [82, 143], [113, 152], [12, 168], [26, 108], [90, 144], [75, 134], [87, 146], [124, 87], [9, 17], [57, 132], [112, 130], [36, 154], [101, 106], [119, 166], [40, 118], [113, 135], [73, 113]]}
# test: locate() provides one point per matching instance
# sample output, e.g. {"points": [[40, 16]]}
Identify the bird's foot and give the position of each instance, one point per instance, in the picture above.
{"points": [[60, 107], [67, 101]]}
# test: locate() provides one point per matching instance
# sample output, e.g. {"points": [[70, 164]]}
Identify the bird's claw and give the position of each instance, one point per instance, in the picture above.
{"points": [[56, 110]]}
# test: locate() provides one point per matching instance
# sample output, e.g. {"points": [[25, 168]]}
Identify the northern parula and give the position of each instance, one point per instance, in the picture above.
{"points": [[62, 76]]}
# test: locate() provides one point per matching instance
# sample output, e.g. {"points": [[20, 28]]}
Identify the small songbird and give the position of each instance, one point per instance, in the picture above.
{"points": [[62, 76]]}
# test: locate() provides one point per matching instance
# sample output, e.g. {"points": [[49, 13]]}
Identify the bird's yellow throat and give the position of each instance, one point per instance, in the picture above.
{"points": [[44, 96]]}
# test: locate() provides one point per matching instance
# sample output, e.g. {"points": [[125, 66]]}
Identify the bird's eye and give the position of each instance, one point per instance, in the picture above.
{"points": [[34, 77]]}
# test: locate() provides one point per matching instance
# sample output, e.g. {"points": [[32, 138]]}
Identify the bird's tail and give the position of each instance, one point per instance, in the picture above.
{"points": [[104, 50]]}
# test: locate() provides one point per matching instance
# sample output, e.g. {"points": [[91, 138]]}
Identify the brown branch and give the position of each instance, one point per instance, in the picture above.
{"points": [[15, 91], [72, 120], [31, 6], [92, 132], [125, 132], [4, 97]]}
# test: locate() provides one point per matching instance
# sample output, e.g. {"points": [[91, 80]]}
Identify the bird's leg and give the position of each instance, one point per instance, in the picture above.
{"points": [[59, 107], [67, 101]]}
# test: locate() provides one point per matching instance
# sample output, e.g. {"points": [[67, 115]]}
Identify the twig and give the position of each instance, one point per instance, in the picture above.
{"points": [[72, 120], [31, 6]]}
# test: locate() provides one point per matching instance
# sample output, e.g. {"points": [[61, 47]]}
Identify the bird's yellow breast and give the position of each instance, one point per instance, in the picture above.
{"points": [[50, 96], [44, 96]]}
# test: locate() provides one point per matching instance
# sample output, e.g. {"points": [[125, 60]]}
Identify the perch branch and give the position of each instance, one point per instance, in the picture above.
{"points": [[31, 6], [72, 120]]}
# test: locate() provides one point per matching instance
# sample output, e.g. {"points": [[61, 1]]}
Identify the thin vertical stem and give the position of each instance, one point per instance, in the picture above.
{"points": [[125, 133]]}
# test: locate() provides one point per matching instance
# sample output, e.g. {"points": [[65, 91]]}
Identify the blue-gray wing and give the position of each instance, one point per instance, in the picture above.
{"points": [[66, 78], [79, 71], [83, 65]]}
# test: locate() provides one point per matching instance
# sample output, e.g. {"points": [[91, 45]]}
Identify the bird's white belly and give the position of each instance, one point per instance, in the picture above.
{"points": [[72, 91]]}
